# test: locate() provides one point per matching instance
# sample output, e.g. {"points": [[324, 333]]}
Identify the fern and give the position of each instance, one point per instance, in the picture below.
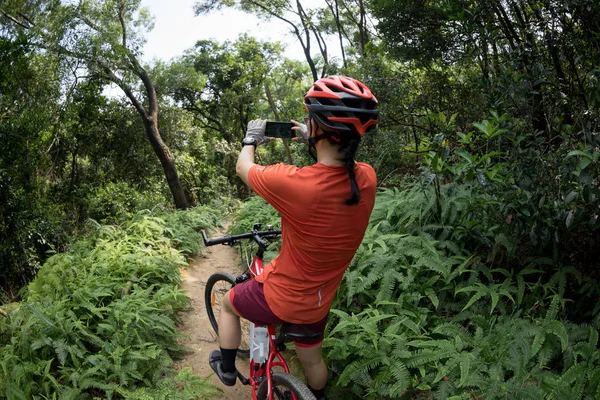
{"points": [[101, 317], [428, 309]]}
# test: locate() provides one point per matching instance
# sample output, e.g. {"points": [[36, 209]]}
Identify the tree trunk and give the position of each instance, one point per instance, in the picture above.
{"points": [[362, 27], [167, 161], [286, 143], [150, 118], [336, 14]]}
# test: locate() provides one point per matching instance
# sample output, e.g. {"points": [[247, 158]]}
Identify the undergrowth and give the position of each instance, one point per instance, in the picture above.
{"points": [[99, 321], [419, 315], [422, 313], [256, 211]]}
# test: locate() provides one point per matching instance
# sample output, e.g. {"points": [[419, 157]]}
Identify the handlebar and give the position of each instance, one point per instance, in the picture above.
{"points": [[255, 235]]}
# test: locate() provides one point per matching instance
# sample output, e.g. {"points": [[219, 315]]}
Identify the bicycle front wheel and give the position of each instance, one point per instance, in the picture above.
{"points": [[285, 387], [216, 287]]}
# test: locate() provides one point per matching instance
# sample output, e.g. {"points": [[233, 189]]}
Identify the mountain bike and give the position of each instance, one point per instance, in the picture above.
{"points": [[265, 383]]}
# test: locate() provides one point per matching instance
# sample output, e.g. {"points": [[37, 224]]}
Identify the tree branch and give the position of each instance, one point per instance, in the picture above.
{"points": [[320, 42], [271, 102], [408, 125], [143, 75], [122, 20], [110, 75], [336, 14], [25, 23], [506, 26], [361, 27], [350, 15], [203, 123], [305, 45], [194, 108]]}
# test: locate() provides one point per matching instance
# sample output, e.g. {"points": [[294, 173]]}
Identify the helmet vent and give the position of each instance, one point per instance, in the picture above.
{"points": [[359, 103], [327, 102]]}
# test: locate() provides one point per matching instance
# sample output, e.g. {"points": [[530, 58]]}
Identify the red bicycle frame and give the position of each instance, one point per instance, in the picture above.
{"points": [[260, 372]]}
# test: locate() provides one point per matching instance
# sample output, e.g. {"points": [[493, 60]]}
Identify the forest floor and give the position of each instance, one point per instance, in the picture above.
{"points": [[199, 335]]}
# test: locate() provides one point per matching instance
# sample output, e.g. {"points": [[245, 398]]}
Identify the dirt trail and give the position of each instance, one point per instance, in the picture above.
{"points": [[200, 337]]}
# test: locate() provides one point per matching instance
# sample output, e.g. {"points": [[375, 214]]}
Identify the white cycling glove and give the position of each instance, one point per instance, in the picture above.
{"points": [[256, 131]]}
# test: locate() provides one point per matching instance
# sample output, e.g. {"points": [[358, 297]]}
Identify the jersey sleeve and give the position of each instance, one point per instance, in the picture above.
{"points": [[278, 185]]}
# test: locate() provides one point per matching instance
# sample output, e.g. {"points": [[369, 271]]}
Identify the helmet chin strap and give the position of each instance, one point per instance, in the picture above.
{"points": [[312, 151]]}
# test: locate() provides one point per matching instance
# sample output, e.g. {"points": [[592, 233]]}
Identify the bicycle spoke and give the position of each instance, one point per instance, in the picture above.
{"points": [[282, 393]]}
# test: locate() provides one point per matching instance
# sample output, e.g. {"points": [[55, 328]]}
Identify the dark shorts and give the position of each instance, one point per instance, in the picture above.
{"points": [[248, 299]]}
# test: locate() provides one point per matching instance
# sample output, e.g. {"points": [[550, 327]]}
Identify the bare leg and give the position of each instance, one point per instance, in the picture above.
{"points": [[314, 366], [230, 332]]}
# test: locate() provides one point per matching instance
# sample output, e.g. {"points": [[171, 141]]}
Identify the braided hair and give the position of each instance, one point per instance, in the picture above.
{"points": [[348, 147]]}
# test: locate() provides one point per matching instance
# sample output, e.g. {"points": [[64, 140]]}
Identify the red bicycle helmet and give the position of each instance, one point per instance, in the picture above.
{"points": [[342, 104]]}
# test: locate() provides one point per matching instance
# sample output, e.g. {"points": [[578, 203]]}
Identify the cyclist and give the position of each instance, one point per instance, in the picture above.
{"points": [[322, 226]]}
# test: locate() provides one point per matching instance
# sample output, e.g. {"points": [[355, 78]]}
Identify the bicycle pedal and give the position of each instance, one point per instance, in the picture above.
{"points": [[243, 379]]}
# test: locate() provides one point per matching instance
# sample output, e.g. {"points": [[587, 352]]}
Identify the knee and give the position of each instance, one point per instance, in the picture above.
{"points": [[227, 307], [310, 359]]}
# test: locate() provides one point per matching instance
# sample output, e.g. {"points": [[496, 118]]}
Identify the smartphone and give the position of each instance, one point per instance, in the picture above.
{"points": [[280, 130]]}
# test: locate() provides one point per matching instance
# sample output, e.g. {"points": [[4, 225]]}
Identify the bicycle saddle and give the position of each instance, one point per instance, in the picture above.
{"points": [[295, 332]]}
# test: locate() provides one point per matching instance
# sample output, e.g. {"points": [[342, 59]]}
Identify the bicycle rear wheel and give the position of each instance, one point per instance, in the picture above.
{"points": [[216, 287], [284, 385]]}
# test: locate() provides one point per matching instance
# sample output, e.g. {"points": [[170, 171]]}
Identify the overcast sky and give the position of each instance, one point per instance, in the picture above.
{"points": [[177, 29]]}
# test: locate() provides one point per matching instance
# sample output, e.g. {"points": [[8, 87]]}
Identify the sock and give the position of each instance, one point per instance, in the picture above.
{"points": [[228, 359], [319, 394]]}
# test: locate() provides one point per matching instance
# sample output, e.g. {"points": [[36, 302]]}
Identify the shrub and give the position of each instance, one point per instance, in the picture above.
{"points": [[99, 320], [420, 315], [416, 316], [118, 201]]}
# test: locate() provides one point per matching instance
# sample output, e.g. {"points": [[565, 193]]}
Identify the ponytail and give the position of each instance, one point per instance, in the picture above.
{"points": [[348, 147], [348, 143]]}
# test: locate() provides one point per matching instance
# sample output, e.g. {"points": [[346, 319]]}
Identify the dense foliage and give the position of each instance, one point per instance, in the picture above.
{"points": [[479, 274], [99, 320], [420, 314]]}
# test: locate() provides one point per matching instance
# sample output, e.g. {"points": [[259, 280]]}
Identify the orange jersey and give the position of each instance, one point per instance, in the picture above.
{"points": [[320, 234]]}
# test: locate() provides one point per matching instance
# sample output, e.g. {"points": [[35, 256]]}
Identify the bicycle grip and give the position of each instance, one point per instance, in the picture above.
{"points": [[204, 238], [212, 242]]}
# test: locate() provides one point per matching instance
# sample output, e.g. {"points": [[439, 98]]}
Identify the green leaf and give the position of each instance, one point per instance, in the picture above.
{"points": [[569, 219], [473, 299], [579, 153], [495, 297], [483, 127], [538, 342], [558, 329], [465, 366], [464, 155], [490, 155], [433, 297], [571, 196], [520, 289]]}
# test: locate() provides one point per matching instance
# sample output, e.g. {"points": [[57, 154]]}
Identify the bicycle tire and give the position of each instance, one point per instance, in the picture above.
{"points": [[217, 285], [283, 386]]}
